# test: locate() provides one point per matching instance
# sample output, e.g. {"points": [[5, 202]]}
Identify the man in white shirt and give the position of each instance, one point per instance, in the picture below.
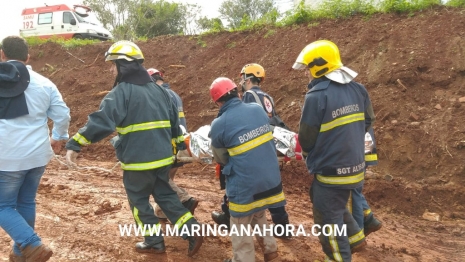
{"points": [[27, 101]]}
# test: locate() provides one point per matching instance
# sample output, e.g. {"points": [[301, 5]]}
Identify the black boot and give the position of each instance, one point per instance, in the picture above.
{"points": [[221, 218], [372, 225], [158, 248], [195, 242], [191, 204], [281, 231]]}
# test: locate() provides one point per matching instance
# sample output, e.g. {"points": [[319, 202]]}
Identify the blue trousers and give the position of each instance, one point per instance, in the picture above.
{"points": [[359, 207], [18, 191], [329, 209]]}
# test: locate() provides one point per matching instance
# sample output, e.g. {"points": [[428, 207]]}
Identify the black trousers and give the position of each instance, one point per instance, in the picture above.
{"points": [[140, 185]]}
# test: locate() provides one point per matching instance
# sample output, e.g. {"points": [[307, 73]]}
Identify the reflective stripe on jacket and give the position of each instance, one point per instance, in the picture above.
{"points": [[253, 179], [339, 113], [146, 121]]}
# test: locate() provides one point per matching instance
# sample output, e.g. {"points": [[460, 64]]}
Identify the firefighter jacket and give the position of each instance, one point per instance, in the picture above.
{"points": [[178, 102], [371, 156], [334, 121], [256, 95], [265, 99], [242, 141], [146, 121]]}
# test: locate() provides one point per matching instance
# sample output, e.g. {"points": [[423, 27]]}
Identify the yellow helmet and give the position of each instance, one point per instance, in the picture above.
{"points": [[320, 57], [253, 69], [124, 50]]}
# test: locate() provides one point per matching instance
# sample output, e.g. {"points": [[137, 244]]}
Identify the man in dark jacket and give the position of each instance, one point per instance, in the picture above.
{"points": [[187, 200], [360, 210], [337, 113], [252, 75], [242, 142], [146, 121]]}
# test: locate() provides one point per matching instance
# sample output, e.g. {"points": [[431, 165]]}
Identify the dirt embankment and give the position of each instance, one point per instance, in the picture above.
{"points": [[414, 69]]}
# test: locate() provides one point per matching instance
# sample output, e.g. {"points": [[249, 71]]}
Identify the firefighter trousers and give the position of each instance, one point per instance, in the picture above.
{"points": [[331, 214], [359, 207], [140, 185]]}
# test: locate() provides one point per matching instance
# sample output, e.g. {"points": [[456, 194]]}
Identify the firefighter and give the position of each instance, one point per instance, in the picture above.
{"points": [[158, 78], [146, 121], [187, 200], [337, 113], [252, 75], [242, 142], [359, 207]]}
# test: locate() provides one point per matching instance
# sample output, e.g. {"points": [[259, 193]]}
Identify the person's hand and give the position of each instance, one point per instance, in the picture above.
{"points": [[71, 157], [56, 145], [181, 146]]}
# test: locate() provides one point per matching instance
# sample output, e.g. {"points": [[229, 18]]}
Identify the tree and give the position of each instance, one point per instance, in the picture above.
{"points": [[213, 24], [242, 12], [130, 19], [159, 18]]}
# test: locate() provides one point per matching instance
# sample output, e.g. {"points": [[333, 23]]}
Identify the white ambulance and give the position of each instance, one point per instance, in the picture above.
{"points": [[61, 21]]}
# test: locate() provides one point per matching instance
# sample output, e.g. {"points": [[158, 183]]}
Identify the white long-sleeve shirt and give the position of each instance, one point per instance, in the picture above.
{"points": [[25, 140]]}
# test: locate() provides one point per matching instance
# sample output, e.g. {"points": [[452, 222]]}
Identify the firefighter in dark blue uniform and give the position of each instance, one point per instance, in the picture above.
{"points": [[337, 113], [187, 200], [359, 207], [242, 142], [251, 77], [147, 122]]}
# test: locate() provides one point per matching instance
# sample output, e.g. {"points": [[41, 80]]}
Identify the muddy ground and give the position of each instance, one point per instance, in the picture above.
{"points": [[412, 65]]}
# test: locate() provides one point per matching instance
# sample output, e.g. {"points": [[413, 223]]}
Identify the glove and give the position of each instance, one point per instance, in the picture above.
{"points": [[178, 146], [71, 157], [181, 146]]}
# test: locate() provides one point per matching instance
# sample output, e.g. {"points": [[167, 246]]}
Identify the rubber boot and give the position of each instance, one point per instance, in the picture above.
{"points": [[371, 225], [221, 218], [144, 247], [282, 232]]}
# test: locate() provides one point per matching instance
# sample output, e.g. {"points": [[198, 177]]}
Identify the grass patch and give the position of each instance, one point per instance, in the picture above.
{"points": [[65, 43], [201, 42], [269, 33], [231, 45]]}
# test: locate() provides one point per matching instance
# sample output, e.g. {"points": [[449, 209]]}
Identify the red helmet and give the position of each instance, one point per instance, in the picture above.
{"points": [[220, 87], [153, 71]]}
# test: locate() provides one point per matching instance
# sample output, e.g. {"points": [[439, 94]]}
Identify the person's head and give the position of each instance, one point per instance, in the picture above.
{"points": [[320, 57], [251, 75], [156, 75], [123, 52], [14, 48], [223, 89]]}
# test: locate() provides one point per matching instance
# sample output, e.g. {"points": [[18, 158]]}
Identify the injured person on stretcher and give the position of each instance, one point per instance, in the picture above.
{"points": [[198, 146]]}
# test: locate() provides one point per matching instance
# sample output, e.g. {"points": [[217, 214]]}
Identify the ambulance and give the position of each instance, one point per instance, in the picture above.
{"points": [[61, 21]]}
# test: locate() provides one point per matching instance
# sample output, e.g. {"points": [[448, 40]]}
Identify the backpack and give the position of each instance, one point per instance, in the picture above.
{"points": [[274, 120]]}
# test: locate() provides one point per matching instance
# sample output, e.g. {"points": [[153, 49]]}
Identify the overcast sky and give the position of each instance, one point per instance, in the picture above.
{"points": [[10, 11]]}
